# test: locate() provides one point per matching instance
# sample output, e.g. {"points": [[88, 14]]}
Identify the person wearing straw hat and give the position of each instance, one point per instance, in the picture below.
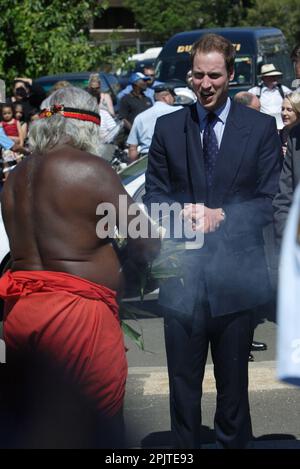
{"points": [[270, 92]]}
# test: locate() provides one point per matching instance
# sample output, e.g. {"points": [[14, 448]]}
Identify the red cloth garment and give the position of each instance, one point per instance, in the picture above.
{"points": [[11, 130], [73, 320]]}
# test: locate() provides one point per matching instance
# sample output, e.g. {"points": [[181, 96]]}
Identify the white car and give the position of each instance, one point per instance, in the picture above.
{"points": [[133, 178], [4, 244]]}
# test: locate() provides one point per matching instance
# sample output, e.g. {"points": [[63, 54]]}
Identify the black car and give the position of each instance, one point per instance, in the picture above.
{"points": [[109, 82]]}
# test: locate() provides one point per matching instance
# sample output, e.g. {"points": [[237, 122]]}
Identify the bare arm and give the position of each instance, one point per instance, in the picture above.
{"points": [[24, 129], [127, 124], [21, 137], [133, 152], [106, 98], [123, 113], [142, 245]]}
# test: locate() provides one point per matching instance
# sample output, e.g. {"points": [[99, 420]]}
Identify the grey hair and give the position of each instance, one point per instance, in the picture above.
{"points": [[46, 133], [94, 78]]}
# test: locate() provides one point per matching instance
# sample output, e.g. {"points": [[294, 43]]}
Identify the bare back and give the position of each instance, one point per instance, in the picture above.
{"points": [[49, 209]]}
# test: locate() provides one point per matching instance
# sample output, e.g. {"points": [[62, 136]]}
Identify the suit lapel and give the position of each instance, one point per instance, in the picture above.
{"points": [[195, 163], [233, 146]]}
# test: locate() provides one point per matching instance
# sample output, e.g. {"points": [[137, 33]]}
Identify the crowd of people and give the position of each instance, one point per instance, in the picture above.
{"points": [[231, 165]]}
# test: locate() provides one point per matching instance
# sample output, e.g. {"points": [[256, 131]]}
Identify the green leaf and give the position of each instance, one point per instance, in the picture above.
{"points": [[134, 335], [39, 37]]}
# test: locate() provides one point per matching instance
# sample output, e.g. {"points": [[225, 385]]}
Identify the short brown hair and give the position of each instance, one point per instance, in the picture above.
{"points": [[215, 43]]}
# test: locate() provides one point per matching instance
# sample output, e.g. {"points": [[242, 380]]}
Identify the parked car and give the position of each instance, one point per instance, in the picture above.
{"points": [[133, 178], [4, 245], [109, 81]]}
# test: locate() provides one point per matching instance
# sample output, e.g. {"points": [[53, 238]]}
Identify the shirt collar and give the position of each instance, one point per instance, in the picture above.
{"points": [[221, 112], [265, 87]]}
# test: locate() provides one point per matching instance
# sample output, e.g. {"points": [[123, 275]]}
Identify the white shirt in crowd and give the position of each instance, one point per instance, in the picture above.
{"points": [[109, 128], [271, 101]]}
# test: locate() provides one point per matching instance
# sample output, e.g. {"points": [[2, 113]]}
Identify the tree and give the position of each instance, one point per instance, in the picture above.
{"points": [[163, 18], [41, 37], [224, 13], [284, 15]]}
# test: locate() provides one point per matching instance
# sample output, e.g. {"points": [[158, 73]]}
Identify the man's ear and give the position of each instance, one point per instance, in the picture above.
{"points": [[231, 74]]}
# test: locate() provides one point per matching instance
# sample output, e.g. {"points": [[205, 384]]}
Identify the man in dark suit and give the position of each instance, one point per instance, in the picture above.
{"points": [[289, 178], [225, 156]]}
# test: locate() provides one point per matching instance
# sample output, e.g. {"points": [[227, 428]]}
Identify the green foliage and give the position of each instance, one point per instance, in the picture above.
{"points": [[168, 264], [41, 37], [223, 13], [135, 336], [284, 15], [162, 18]]}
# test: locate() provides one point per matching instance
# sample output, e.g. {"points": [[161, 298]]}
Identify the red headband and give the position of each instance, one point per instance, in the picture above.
{"points": [[70, 112]]}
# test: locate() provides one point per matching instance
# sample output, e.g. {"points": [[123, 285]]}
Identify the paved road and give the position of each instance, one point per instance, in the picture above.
{"points": [[274, 405]]}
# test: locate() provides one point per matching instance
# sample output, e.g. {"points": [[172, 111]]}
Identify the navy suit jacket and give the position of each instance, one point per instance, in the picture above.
{"points": [[232, 262]]}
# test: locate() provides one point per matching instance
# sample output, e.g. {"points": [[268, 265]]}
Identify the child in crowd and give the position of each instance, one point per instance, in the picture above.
{"points": [[12, 129], [33, 116], [19, 115], [11, 125]]}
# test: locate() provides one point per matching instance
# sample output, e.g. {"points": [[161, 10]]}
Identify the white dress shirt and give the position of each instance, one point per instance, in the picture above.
{"points": [[271, 101]]}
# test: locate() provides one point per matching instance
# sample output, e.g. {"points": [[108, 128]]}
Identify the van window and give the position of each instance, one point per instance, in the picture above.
{"points": [[172, 68], [243, 70]]}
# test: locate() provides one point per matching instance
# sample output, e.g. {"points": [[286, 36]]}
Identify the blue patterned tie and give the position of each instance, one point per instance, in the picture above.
{"points": [[210, 148]]}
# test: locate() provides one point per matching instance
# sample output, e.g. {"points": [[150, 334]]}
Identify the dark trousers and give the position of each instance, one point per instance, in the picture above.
{"points": [[187, 342]]}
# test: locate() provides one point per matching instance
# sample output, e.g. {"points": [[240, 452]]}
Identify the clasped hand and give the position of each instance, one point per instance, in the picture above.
{"points": [[202, 218]]}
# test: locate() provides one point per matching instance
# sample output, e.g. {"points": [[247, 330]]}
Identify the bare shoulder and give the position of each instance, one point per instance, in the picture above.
{"points": [[64, 173], [70, 168], [75, 165]]}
